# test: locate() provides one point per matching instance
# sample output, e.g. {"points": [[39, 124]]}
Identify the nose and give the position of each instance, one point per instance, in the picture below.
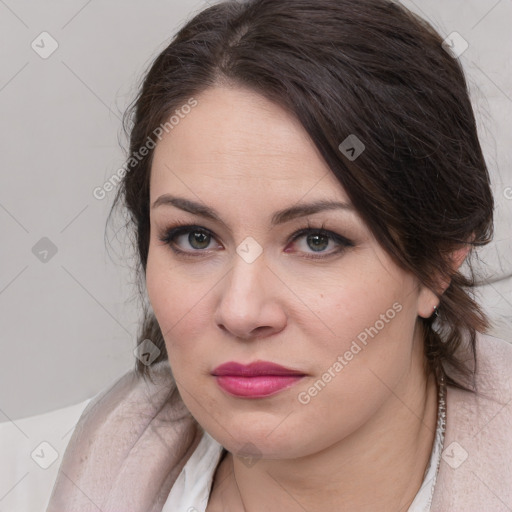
{"points": [[249, 304]]}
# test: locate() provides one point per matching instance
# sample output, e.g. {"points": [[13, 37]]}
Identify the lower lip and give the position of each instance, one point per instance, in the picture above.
{"points": [[256, 387]]}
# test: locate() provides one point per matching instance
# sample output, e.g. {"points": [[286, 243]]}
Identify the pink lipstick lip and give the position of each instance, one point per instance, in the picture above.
{"points": [[255, 369], [255, 380], [257, 386]]}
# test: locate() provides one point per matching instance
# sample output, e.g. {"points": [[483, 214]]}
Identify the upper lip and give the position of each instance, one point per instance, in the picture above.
{"points": [[253, 369]]}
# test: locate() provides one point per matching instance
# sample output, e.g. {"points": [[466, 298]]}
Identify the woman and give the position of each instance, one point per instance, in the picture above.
{"points": [[305, 182]]}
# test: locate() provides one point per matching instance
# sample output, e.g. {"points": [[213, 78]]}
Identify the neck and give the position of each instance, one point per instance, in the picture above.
{"points": [[378, 467]]}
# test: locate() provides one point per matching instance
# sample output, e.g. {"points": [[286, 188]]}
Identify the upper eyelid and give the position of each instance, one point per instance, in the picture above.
{"points": [[187, 228]]}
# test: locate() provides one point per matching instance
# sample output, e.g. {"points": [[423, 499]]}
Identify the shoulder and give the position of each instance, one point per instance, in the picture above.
{"points": [[476, 465], [136, 434], [493, 375], [494, 363]]}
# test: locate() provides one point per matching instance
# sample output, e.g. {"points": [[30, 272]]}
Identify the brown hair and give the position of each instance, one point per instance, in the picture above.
{"points": [[368, 68]]}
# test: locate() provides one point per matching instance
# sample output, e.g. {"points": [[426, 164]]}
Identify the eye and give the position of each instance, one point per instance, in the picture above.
{"points": [[315, 242], [196, 241], [188, 240]]}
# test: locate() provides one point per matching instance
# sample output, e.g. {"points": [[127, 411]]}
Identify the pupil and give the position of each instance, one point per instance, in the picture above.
{"points": [[198, 240], [318, 242]]}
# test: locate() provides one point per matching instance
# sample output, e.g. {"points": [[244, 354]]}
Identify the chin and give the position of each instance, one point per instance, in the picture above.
{"points": [[264, 440]]}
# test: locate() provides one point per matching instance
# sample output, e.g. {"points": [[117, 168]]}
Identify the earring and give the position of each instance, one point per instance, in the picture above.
{"points": [[435, 313]]}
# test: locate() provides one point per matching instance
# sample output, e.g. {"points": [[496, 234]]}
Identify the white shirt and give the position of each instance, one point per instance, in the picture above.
{"points": [[191, 491]]}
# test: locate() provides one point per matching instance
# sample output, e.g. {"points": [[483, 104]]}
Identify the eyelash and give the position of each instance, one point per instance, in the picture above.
{"points": [[171, 233]]}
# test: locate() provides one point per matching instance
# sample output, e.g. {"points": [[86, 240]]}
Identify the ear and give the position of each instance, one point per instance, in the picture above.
{"points": [[428, 299]]}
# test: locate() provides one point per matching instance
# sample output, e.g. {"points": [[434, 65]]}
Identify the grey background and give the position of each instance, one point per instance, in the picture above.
{"points": [[68, 324]]}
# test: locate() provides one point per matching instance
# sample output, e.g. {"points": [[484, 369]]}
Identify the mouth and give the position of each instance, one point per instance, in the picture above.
{"points": [[256, 380]]}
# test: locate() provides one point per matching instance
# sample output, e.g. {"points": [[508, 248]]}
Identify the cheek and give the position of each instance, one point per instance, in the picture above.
{"points": [[369, 319], [358, 301], [178, 303]]}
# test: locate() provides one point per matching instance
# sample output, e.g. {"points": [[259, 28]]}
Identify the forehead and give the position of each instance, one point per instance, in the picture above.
{"points": [[235, 138]]}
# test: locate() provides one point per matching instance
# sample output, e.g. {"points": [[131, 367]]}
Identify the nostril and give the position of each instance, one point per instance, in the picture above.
{"points": [[261, 330], [257, 332]]}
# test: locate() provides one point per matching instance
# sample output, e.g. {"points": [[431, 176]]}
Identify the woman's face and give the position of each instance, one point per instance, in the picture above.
{"points": [[245, 282]]}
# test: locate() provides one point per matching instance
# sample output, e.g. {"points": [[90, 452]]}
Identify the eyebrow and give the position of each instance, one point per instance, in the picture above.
{"points": [[279, 217]]}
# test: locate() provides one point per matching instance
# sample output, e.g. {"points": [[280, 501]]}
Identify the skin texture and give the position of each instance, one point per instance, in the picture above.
{"points": [[365, 438]]}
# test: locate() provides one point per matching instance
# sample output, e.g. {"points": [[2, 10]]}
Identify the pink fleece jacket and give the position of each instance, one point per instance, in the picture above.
{"points": [[133, 439]]}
